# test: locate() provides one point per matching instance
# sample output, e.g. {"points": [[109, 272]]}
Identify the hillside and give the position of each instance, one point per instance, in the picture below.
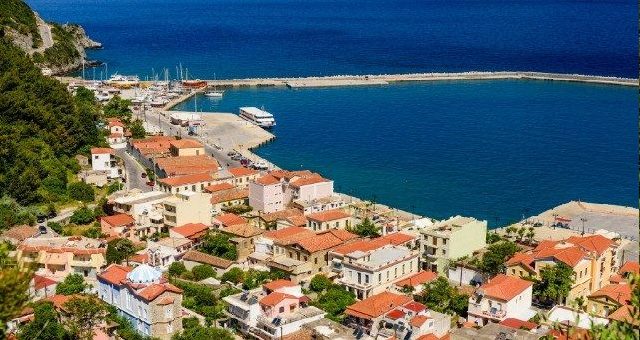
{"points": [[60, 48]]}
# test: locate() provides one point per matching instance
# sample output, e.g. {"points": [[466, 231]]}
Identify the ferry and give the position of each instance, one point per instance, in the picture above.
{"points": [[257, 116], [123, 81]]}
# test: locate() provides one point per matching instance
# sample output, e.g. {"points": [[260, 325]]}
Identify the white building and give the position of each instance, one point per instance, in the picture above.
{"points": [[275, 190], [165, 251], [187, 207], [499, 298], [104, 159]]}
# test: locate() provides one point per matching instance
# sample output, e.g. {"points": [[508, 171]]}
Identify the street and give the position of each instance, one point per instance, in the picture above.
{"points": [[133, 171]]}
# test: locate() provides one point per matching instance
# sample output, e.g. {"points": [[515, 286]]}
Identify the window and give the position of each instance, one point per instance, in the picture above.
{"points": [[366, 278], [359, 278], [403, 269], [434, 241], [315, 260], [168, 313], [292, 308], [444, 241], [379, 277], [395, 272], [281, 310]]}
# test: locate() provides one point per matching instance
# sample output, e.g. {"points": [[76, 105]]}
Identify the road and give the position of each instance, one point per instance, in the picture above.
{"points": [[133, 171]]}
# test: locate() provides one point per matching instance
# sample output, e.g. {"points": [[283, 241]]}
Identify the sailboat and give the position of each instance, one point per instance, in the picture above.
{"points": [[215, 93]]}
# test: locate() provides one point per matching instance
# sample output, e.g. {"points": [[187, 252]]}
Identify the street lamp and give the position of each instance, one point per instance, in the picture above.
{"points": [[583, 220]]}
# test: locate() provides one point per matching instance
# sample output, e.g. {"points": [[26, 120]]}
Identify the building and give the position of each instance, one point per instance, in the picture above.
{"points": [[192, 231], [193, 182], [270, 220], [366, 273], [336, 255], [17, 234], [227, 220], [275, 310], [229, 198], [328, 219], [264, 245], [628, 268], [320, 204], [194, 258], [185, 165], [493, 330], [116, 132], [560, 314], [187, 207], [592, 258], [608, 299], [501, 297], [387, 315], [243, 237], [144, 298], [118, 225], [416, 282], [186, 147], [147, 150], [104, 159], [138, 204], [92, 177], [165, 251], [57, 257], [241, 176], [452, 239], [275, 190], [42, 287]]}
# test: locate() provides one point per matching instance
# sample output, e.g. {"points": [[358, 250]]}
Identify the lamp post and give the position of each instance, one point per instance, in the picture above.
{"points": [[583, 220]]}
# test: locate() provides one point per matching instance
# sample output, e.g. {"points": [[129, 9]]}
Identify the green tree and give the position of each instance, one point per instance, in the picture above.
{"points": [[203, 271], [190, 322], [493, 237], [235, 275], [83, 315], [366, 228], [440, 296], [335, 301], [177, 269], [119, 250], [82, 215], [521, 232], [319, 283], [81, 191], [555, 283], [198, 332], [218, 244], [137, 130], [118, 108], [45, 324], [72, 284], [14, 284], [493, 260], [93, 232], [55, 226]]}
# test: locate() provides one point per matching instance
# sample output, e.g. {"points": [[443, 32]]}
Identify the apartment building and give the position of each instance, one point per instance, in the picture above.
{"points": [[451, 239], [241, 176], [328, 219], [144, 298], [194, 182], [501, 297], [275, 190], [104, 159], [243, 237], [118, 225], [187, 207]]}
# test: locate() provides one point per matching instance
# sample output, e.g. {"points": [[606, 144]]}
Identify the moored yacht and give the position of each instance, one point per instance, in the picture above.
{"points": [[258, 117]]}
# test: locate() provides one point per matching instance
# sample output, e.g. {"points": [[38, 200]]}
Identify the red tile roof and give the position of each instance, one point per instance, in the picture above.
{"points": [[152, 291], [242, 230], [623, 314], [417, 279], [275, 298], [230, 219], [277, 284], [118, 220], [630, 267], [186, 165], [267, 180], [115, 274], [395, 314], [139, 258], [519, 258], [418, 320], [98, 151], [376, 305], [191, 230], [186, 144], [564, 252], [187, 179], [518, 324], [196, 256], [219, 187], [620, 293], [20, 233], [230, 195], [40, 282], [289, 235], [274, 216], [313, 179], [504, 287], [371, 244], [296, 220], [415, 306], [597, 243], [325, 240], [328, 215], [242, 171]]}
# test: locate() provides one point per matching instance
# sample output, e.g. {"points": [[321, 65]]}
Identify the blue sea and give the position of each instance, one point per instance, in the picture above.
{"points": [[490, 149]]}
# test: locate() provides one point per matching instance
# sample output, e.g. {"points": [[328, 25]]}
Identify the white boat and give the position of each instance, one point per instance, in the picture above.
{"points": [[258, 117], [123, 81], [214, 94], [103, 96]]}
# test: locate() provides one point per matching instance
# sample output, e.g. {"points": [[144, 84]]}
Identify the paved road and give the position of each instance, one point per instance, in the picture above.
{"points": [[133, 171]]}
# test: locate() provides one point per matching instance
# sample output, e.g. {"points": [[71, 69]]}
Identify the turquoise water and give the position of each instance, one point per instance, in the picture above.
{"points": [[490, 149]]}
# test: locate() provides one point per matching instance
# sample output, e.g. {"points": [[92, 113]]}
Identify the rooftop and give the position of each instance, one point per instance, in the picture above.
{"points": [[381, 256], [191, 230], [242, 171], [200, 257], [118, 220], [325, 240], [504, 287], [620, 293], [72, 244], [289, 235], [142, 197], [417, 279], [242, 230], [173, 242], [186, 143], [230, 219], [187, 179], [219, 187], [328, 215], [376, 305], [99, 151]]}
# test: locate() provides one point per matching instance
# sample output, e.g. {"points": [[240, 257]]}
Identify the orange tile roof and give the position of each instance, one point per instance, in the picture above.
{"points": [[115, 274], [275, 298], [97, 151], [139, 258], [20, 233], [267, 180], [417, 279], [40, 282], [186, 144], [526, 260], [620, 293], [597, 243], [371, 244], [623, 314], [185, 165], [277, 284], [272, 217], [376, 305], [328, 215], [59, 300], [630, 267], [518, 324], [418, 320], [296, 220], [196, 256], [289, 235], [187, 179], [115, 122], [395, 314], [219, 187], [313, 179], [152, 291], [242, 230], [191, 230], [229, 195], [230, 219], [242, 171], [167, 300], [118, 220], [398, 238], [504, 287], [415, 306], [567, 253], [341, 234], [325, 240]]}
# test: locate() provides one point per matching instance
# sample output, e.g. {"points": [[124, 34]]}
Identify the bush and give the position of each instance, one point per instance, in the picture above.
{"points": [[72, 284], [83, 215], [234, 275], [219, 245], [81, 191], [93, 232], [177, 269], [238, 209], [319, 283], [203, 271], [119, 250], [190, 322], [55, 226]]}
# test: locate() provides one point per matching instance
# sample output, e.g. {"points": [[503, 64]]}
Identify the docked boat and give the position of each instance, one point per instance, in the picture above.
{"points": [[123, 81], [214, 94], [258, 117]]}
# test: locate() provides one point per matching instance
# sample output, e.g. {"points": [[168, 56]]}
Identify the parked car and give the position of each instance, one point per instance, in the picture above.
{"points": [[41, 218], [52, 214], [144, 175], [42, 229], [151, 183]]}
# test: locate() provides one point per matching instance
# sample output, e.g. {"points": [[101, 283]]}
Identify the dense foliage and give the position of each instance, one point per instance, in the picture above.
{"points": [[41, 128], [17, 15], [119, 250], [203, 271], [72, 284], [82, 215], [335, 301], [219, 245], [177, 268], [197, 332], [493, 261], [440, 296], [366, 228], [81, 191], [554, 284], [13, 289], [63, 52], [45, 324], [319, 283]]}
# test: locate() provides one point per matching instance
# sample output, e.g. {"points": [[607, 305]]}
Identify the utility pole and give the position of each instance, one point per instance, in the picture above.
{"points": [[583, 220]]}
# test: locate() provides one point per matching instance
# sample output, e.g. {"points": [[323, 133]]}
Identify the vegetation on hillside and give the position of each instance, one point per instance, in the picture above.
{"points": [[62, 53], [17, 15]]}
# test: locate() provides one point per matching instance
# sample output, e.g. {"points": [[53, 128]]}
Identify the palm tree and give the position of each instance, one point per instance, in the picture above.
{"points": [[521, 232]]}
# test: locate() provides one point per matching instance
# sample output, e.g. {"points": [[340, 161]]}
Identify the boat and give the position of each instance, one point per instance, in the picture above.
{"points": [[123, 81], [257, 116], [214, 94]]}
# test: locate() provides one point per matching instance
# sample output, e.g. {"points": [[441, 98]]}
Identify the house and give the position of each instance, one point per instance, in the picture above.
{"points": [[149, 149], [227, 220], [275, 190], [142, 296], [451, 239], [187, 207], [275, 310], [185, 165], [119, 225], [273, 242], [17, 234], [609, 299], [592, 258], [241, 176], [493, 330], [243, 237], [116, 132], [165, 251], [416, 282], [328, 219], [501, 297], [186, 147], [229, 198], [626, 270], [625, 314], [57, 257], [104, 159], [560, 314], [270, 220], [291, 221], [192, 231], [336, 255], [218, 187], [194, 258], [316, 205], [138, 204], [42, 287], [192, 182], [387, 315]]}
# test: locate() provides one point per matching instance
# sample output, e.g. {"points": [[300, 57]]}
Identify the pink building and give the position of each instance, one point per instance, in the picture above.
{"points": [[275, 190]]}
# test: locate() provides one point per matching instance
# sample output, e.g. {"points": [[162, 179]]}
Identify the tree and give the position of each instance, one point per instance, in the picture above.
{"points": [[238, 209], [218, 245], [366, 228], [81, 191], [531, 233], [177, 269], [492, 237], [72, 284], [235, 275], [55, 226], [93, 232], [118, 108], [190, 322], [555, 283], [198, 332], [440, 296], [83, 215], [45, 324], [521, 232], [510, 230], [137, 130], [84, 314], [319, 283], [14, 284], [119, 250], [335, 301], [493, 260], [203, 271]]}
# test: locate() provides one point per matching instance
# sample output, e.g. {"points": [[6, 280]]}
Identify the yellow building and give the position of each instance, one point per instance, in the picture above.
{"points": [[608, 299]]}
